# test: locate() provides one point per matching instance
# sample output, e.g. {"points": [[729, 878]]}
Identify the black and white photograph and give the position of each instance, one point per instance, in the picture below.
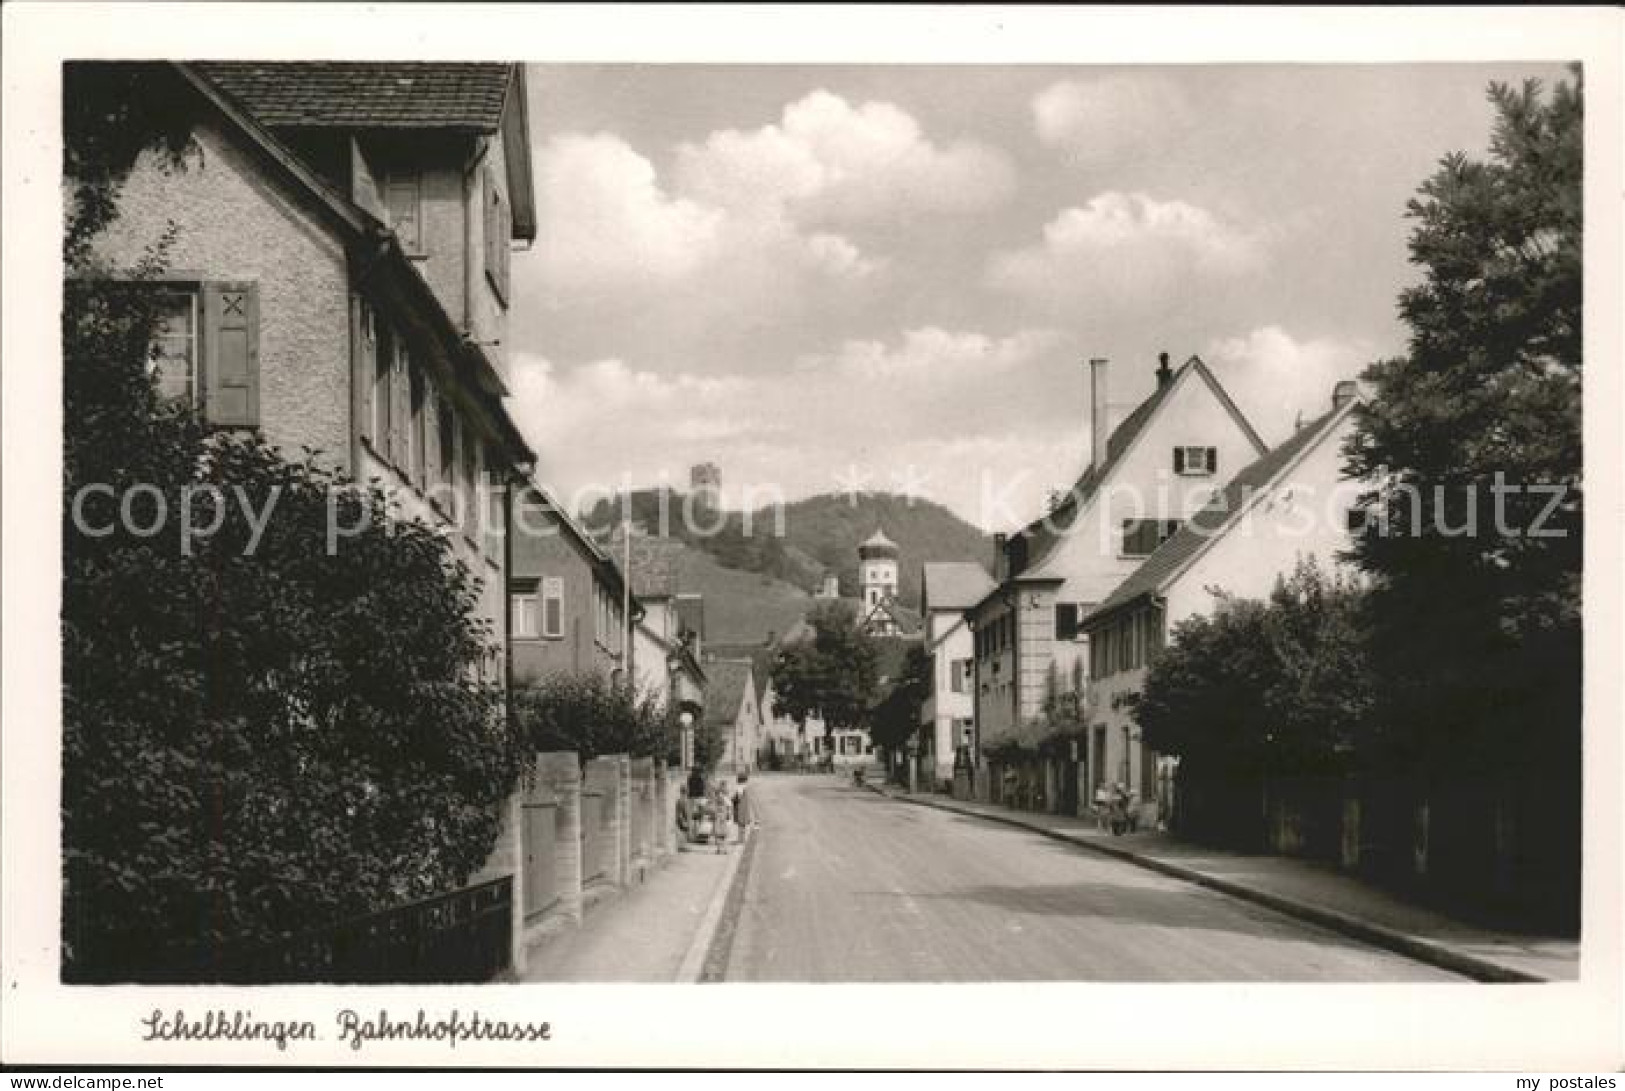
{"points": [[530, 521]]}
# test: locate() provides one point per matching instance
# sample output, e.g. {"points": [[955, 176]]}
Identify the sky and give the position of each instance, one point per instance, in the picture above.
{"points": [[835, 279]]}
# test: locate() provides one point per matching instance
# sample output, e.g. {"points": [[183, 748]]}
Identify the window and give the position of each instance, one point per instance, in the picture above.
{"points": [[204, 348], [1141, 537], [525, 611], [382, 367], [1196, 461], [959, 675], [1066, 621], [172, 352], [403, 200], [553, 607]]}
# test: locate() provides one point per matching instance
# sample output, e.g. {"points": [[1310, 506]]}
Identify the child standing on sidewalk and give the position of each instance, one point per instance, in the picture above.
{"points": [[724, 829]]}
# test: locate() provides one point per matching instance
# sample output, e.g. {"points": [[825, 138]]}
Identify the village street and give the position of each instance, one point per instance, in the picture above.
{"points": [[846, 885]]}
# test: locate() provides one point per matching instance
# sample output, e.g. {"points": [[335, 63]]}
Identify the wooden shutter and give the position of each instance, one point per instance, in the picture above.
{"points": [[1212, 460], [498, 229], [400, 408], [231, 354], [553, 606], [431, 439], [363, 357], [1179, 460]]}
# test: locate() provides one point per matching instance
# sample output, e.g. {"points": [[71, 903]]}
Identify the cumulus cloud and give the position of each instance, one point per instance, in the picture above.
{"points": [[1127, 250], [606, 221], [1275, 377], [827, 160], [884, 406], [614, 234], [1107, 118], [937, 354], [751, 216]]}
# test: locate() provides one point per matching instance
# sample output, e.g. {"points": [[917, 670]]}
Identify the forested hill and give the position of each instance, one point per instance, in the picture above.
{"points": [[820, 533]]}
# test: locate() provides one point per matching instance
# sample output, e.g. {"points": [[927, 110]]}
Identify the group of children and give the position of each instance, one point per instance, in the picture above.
{"points": [[732, 812]]}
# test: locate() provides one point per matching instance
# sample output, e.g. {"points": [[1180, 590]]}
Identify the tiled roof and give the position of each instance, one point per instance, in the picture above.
{"points": [[906, 619], [725, 688], [1170, 557], [367, 95], [761, 658], [1042, 535], [953, 585], [877, 545]]}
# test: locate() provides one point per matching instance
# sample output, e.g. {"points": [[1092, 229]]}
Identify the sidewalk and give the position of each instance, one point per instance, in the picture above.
{"points": [[1308, 891], [655, 931]]}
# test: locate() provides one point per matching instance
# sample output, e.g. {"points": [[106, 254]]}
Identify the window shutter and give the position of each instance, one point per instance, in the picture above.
{"points": [[431, 438], [1179, 460], [1212, 460], [231, 354], [363, 353], [400, 414]]}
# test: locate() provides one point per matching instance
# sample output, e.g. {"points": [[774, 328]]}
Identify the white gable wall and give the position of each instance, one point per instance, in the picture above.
{"points": [[1305, 515]]}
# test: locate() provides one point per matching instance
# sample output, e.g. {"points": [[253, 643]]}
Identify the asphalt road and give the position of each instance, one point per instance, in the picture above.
{"points": [[846, 885]]}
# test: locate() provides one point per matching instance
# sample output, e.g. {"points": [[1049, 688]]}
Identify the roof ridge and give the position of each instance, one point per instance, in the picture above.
{"points": [[1238, 496]]}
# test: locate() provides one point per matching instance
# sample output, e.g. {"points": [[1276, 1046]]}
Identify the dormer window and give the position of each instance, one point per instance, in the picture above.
{"points": [[1196, 461], [403, 200]]}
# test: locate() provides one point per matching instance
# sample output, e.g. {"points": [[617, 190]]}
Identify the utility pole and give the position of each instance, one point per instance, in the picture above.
{"points": [[626, 596]]}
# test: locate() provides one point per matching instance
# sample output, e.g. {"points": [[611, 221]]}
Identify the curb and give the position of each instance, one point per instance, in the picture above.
{"points": [[1434, 954], [694, 959]]}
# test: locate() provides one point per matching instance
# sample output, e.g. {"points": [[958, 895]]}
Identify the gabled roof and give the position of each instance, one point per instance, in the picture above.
{"points": [[761, 658], [726, 680], [477, 99], [357, 224], [368, 94], [1212, 521], [606, 563], [905, 619], [1040, 537], [952, 585]]}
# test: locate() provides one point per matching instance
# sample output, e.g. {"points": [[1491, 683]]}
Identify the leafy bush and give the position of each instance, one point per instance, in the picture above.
{"points": [[260, 737], [1280, 687], [593, 715]]}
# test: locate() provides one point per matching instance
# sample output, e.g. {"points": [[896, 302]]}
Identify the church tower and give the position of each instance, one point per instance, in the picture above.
{"points": [[877, 570]]}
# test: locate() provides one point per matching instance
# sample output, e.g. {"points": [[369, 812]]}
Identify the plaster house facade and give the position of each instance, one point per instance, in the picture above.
{"points": [[1292, 504], [733, 707], [566, 595], [947, 590], [1145, 478], [336, 279], [303, 300]]}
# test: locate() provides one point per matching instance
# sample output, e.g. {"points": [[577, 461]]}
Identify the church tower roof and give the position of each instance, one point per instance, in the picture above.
{"points": [[878, 545]]}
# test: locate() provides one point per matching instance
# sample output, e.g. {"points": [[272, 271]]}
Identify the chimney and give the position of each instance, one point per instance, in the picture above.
{"points": [[1165, 374], [1344, 392], [1097, 414], [1000, 569]]}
